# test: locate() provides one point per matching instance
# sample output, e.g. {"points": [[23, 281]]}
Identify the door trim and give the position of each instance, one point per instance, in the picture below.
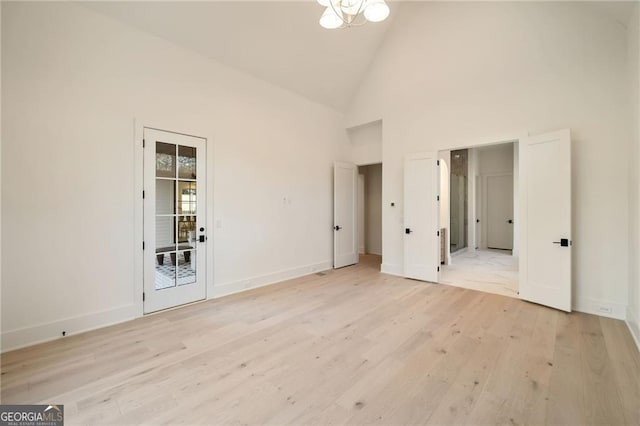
{"points": [[179, 127], [515, 138]]}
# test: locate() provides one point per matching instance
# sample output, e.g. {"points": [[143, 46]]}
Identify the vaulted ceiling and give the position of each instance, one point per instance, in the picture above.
{"points": [[279, 41]]}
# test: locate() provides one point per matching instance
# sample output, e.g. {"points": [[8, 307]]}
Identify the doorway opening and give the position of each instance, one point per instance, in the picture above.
{"points": [[370, 213], [479, 245]]}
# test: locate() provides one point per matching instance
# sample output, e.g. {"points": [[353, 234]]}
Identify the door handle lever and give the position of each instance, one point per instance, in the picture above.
{"points": [[407, 230], [564, 242], [337, 228]]}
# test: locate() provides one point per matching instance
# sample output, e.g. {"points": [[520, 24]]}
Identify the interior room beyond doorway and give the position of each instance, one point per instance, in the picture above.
{"points": [[370, 210], [477, 215]]}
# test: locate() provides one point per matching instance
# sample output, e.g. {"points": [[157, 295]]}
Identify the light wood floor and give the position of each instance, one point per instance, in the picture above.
{"points": [[351, 346]]}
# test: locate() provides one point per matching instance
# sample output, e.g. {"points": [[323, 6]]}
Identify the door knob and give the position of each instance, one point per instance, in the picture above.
{"points": [[337, 228], [407, 230], [510, 221], [202, 238]]}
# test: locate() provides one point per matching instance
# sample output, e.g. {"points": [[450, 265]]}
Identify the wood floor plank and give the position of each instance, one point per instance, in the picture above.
{"points": [[350, 346], [625, 362]]}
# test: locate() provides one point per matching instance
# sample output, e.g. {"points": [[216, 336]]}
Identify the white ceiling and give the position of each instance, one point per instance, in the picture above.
{"points": [[280, 42]]}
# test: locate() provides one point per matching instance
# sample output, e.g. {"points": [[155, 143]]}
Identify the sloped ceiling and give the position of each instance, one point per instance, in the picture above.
{"points": [[280, 42]]}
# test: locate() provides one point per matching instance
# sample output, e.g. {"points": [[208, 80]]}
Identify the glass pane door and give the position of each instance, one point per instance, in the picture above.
{"points": [[176, 212], [174, 219]]}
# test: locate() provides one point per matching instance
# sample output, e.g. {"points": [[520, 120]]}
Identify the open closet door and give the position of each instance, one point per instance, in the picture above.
{"points": [[421, 217], [545, 225], [345, 229]]}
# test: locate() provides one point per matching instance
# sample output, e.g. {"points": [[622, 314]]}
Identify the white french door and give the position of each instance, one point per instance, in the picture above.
{"points": [[421, 217], [174, 219], [545, 234], [345, 227]]}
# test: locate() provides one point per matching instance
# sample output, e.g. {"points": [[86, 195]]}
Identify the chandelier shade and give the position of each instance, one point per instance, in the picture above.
{"points": [[331, 18], [349, 13], [376, 11]]}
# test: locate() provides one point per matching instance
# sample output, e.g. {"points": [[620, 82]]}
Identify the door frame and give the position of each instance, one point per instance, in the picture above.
{"points": [[517, 212], [519, 180], [168, 124]]}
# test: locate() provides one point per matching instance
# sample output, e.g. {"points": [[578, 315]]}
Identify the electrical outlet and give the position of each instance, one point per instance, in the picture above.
{"points": [[605, 309]]}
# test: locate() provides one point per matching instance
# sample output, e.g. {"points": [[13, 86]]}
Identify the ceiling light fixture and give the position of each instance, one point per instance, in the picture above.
{"points": [[349, 13]]}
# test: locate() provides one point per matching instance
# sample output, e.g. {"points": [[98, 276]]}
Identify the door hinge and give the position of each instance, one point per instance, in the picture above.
{"points": [[438, 162], [143, 296], [438, 233], [143, 195], [143, 245], [438, 198], [143, 143], [438, 269]]}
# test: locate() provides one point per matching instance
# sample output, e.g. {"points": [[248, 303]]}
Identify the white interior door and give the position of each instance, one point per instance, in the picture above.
{"points": [[478, 200], [500, 212], [545, 232], [174, 219], [421, 217], [345, 230]]}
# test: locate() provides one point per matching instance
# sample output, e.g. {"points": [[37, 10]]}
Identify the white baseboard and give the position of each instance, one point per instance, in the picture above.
{"points": [[226, 289], [20, 338], [634, 326], [601, 308], [396, 270]]}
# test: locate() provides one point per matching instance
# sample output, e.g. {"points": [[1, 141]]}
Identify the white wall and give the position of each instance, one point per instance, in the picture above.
{"points": [[366, 143], [633, 311], [373, 208], [451, 75], [495, 159], [73, 82]]}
